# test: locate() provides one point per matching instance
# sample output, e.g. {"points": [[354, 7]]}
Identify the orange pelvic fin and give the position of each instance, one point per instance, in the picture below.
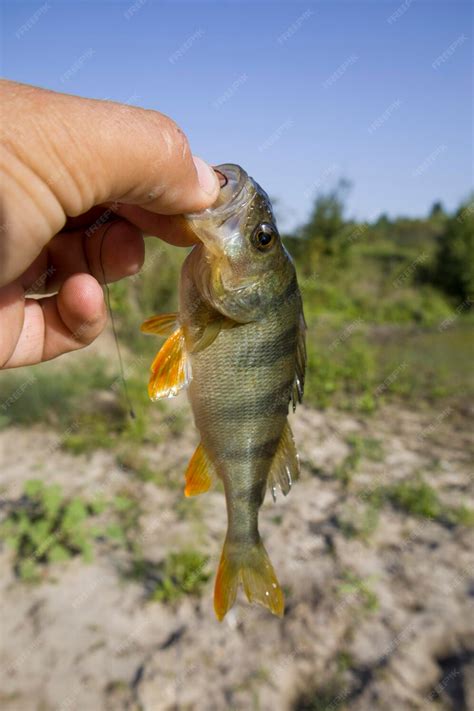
{"points": [[199, 474], [171, 370], [162, 325], [251, 566], [210, 332]]}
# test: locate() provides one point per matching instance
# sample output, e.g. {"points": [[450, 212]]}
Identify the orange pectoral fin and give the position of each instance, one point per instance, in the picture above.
{"points": [[199, 474], [170, 371], [162, 325]]}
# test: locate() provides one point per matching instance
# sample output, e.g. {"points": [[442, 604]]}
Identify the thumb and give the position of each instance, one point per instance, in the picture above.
{"points": [[65, 154]]}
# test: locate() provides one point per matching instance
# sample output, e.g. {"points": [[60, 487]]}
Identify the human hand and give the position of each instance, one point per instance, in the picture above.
{"points": [[68, 166]]}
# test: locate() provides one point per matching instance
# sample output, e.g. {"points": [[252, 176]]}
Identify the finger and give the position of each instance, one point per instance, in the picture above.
{"points": [[110, 252], [57, 324], [97, 215], [67, 154], [174, 229], [12, 299]]}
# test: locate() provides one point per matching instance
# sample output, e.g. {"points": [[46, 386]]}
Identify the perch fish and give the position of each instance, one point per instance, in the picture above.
{"points": [[238, 346]]}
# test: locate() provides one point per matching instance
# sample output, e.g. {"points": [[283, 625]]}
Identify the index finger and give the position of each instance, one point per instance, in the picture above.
{"points": [[66, 154], [174, 229]]}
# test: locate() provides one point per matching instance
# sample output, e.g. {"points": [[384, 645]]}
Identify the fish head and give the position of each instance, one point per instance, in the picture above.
{"points": [[244, 264]]}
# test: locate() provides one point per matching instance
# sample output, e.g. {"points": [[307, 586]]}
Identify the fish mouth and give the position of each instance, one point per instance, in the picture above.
{"points": [[220, 224], [221, 229], [231, 196]]}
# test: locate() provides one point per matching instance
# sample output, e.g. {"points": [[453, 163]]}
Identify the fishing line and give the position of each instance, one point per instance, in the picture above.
{"points": [[131, 411]]}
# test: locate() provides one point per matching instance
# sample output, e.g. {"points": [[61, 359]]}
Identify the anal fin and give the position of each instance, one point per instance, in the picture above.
{"points": [[199, 474], [285, 466]]}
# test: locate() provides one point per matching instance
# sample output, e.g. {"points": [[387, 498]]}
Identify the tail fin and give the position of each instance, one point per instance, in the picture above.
{"points": [[249, 565]]}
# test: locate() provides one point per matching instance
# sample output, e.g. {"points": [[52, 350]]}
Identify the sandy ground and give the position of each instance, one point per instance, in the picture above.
{"points": [[87, 639]]}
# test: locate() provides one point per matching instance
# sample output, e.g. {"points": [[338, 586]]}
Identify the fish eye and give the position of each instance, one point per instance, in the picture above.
{"points": [[264, 236]]}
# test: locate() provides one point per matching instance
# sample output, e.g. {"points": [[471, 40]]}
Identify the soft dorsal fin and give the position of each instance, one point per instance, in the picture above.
{"points": [[171, 370], [285, 467], [301, 357], [200, 473]]}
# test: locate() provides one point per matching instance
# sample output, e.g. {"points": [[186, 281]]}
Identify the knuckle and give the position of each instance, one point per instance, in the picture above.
{"points": [[174, 139]]}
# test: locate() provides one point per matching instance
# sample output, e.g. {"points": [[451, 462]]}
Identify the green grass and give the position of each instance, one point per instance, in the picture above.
{"points": [[132, 459], [360, 368], [361, 328], [412, 496], [327, 697], [417, 498], [360, 447], [116, 429], [353, 584], [460, 516], [45, 394], [355, 523], [152, 291], [65, 399], [184, 573], [125, 525], [181, 573], [44, 527], [342, 375], [368, 447]]}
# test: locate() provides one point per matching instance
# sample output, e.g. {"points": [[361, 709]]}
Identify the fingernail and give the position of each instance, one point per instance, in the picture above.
{"points": [[206, 176]]}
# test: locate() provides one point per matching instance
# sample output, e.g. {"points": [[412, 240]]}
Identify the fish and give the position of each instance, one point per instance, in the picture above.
{"points": [[237, 344]]}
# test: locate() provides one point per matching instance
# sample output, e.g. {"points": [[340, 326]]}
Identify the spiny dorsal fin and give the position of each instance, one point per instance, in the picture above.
{"points": [[285, 467], [161, 325], [301, 357], [200, 473], [171, 370]]}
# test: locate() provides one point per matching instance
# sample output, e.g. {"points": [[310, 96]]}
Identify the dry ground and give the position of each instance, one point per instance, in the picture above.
{"points": [[376, 621]]}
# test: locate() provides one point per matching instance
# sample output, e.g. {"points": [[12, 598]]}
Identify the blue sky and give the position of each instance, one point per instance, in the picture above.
{"points": [[299, 94]]}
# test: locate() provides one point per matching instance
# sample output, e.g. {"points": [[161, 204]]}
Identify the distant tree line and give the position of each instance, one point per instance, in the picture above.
{"points": [[329, 237]]}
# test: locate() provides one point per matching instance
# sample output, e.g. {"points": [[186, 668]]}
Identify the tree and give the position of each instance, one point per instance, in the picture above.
{"points": [[326, 226], [437, 210], [454, 260]]}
